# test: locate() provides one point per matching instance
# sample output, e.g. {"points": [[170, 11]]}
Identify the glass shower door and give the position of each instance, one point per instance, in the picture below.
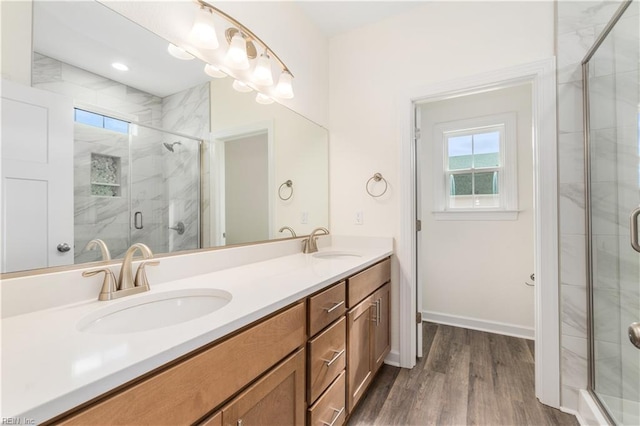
{"points": [[165, 188], [614, 194]]}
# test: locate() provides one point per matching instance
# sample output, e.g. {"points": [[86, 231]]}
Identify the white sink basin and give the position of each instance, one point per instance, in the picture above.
{"points": [[335, 255], [154, 310]]}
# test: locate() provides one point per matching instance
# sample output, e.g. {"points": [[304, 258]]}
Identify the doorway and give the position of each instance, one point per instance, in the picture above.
{"points": [[475, 252], [242, 185], [541, 74]]}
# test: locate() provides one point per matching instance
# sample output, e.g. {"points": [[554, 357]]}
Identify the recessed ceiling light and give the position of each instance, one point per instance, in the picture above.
{"points": [[120, 66]]}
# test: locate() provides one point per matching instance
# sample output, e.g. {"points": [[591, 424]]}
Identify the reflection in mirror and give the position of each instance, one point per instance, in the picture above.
{"points": [[158, 154]]}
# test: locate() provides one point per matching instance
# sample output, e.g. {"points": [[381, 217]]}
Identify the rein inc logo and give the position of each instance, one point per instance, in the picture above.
{"points": [[17, 421]]}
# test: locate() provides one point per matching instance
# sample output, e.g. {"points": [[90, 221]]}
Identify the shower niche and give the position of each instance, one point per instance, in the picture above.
{"points": [[105, 175]]}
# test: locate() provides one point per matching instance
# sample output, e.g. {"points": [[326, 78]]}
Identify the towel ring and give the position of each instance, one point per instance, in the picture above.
{"points": [[288, 184], [377, 178]]}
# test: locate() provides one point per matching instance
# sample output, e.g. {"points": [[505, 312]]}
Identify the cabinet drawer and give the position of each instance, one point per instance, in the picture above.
{"points": [[187, 391], [327, 358], [326, 307], [367, 281], [330, 408]]}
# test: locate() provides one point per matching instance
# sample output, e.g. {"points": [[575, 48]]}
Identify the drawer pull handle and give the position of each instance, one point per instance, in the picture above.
{"points": [[337, 354], [336, 416], [334, 307]]}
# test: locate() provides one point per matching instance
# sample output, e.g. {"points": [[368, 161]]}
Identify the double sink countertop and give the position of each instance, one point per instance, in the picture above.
{"points": [[49, 366]]}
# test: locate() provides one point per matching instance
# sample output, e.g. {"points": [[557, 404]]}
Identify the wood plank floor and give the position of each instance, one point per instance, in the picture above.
{"points": [[466, 377]]}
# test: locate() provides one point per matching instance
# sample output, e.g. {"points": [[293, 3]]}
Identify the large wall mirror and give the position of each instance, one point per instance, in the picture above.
{"points": [[160, 154]]}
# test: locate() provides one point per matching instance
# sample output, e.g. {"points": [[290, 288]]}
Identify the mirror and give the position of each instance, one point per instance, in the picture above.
{"points": [[161, 153]]}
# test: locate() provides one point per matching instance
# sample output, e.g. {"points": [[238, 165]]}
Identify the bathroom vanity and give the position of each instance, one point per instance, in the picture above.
{"points": [[298, 343]]}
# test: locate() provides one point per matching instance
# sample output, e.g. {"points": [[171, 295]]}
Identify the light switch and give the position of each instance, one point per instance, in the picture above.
{"points": [[304, 218], [359, 217]]}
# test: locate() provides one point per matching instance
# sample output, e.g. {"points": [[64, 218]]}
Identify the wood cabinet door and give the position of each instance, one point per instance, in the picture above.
{"points": [[359, 350], [381, 325], [276, 399]]}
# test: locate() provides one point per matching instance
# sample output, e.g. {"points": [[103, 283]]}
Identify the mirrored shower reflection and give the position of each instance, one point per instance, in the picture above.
{"points": [[614, 143], [134, 184]]}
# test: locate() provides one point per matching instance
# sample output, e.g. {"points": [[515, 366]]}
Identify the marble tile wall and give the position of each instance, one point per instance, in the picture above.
{"points": [[86, 87], [99, 217], [187, 113], [578, 24]]}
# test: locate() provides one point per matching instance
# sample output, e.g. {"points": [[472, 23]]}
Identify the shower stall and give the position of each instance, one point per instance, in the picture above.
{"points": [[612, 128], [134, 183]]}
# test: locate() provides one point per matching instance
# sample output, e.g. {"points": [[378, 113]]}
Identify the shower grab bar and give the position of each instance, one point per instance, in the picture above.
{"points": [[634, 229]]}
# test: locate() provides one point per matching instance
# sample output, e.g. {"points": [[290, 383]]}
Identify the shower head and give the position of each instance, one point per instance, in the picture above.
{"points": [[169, 146]]}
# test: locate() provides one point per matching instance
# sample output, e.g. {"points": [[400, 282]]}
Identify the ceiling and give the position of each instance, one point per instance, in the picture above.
{"points": [[336, 17], [91, 36]]}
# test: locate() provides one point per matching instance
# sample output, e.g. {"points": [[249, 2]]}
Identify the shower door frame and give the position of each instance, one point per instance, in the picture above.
{"points": [[587, 194]]}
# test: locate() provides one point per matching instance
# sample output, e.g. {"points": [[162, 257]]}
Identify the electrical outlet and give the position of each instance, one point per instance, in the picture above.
{"points": [[304, 218], [359, 217]]}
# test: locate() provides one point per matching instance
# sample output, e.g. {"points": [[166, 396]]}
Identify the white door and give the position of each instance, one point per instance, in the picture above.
{"points": [[36, 154]]}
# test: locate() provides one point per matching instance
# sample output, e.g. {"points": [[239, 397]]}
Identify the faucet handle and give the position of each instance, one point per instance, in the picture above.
{"points": [[141, 276], [108, 284]]}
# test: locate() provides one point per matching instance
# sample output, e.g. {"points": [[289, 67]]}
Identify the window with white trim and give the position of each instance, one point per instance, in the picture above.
{"points": [[475, 165]]}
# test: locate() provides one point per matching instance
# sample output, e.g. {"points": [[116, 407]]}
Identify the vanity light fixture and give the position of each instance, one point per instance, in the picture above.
{"points": [[263, 99], [241, 55], [262, 72], [284, 89], [213, 71], [120, 66], [180, 53], [203, 31], [241, 86], [237, 54]]}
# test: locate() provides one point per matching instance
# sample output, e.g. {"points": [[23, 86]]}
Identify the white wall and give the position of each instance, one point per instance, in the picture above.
{"points": [[281, 25], [15, 17], [476, 269], [371, 66]]}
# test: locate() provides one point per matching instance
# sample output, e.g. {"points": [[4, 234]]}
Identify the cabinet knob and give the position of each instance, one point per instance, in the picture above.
{"points": [[63, 247]]}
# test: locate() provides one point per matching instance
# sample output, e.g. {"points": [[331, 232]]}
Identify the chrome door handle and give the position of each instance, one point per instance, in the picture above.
{"points": [[337, 355], [137, 220], [634, 229], [63, 247], [334, 307], [634, 334], [336, 416]]}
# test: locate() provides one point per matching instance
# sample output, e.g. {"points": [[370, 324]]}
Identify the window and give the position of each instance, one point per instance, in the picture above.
{"points": [[102, 121], [475, 167]]}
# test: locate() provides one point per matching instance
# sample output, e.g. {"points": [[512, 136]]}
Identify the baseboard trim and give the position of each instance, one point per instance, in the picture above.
{"points": [[481, 325], [393, 359]]}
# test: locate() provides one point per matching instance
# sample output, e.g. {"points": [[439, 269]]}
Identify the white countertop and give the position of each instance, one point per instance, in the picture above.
{"points": [[49, 367]]}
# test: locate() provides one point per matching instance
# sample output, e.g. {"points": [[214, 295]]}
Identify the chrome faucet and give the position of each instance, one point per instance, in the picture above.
{"points": [[104, 250], [288, 228], [310, 245]]}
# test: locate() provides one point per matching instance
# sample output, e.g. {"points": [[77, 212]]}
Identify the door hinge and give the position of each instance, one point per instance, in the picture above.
{"points": [[418, 225], [416, 133], [418, 317]]}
